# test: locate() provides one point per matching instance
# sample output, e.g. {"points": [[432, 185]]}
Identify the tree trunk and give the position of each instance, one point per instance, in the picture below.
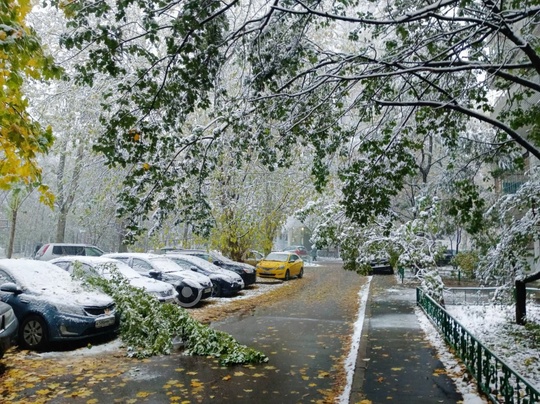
{"points": [[121, 230], [65, 194], [521, 306], [9, 251], [61, 226]]}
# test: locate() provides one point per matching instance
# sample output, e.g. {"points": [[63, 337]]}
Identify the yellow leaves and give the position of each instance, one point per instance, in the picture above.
{"points": [[146, 166], [365, 402], [323, 374], [226, 378], [196, 383], [438, 372], [397, 369], [21, 138], [143, 394], [239, 373]]}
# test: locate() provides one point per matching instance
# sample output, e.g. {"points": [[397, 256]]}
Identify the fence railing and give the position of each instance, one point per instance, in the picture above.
{"points": [[456, 296], [496, 379]]}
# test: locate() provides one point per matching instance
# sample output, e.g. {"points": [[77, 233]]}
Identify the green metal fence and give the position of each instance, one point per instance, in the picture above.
{"points": [[496, 379]]}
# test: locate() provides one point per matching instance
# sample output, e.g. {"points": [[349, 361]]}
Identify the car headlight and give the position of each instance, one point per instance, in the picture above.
{"points": [[69, 309], [281, 267]]}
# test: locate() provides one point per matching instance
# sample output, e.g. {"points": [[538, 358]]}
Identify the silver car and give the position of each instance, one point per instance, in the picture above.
{"points": [[101, 266]]}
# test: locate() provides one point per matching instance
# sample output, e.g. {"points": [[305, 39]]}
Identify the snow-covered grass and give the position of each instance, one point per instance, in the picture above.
{"points": [[494, 325]]}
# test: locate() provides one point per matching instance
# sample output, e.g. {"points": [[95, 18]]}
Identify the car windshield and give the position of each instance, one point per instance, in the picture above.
{"points": [[124, 269], [280, 257], [190, 260], [166, 265], [219, 257]]}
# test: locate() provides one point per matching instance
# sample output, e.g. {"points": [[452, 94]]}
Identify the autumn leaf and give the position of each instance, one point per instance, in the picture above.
{"points": [[143, 394], [196, 383], [228, 377]]}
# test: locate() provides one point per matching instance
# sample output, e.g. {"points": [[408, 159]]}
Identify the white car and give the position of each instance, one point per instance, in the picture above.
{"points": [[192, 287], [101, 266], [50, 251]]}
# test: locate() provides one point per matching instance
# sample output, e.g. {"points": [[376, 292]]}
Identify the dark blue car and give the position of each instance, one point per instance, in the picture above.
{"points": [[8, 328], [226, 282], [51, 306]]}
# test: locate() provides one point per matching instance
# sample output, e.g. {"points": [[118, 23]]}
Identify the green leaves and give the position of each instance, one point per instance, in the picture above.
{"points": [[148, 327]]}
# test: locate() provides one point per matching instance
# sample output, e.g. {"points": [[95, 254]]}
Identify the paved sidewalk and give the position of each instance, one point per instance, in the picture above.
{"points": [[395, 361]]}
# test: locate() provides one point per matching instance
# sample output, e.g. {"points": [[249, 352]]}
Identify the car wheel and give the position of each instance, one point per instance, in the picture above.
{"points": [[287, 276], [216, 290], [188, 296], [33, 333], [301, 273]]}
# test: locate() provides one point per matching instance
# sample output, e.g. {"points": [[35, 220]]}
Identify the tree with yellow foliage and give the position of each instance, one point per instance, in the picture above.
{"points": [[21, 138]]}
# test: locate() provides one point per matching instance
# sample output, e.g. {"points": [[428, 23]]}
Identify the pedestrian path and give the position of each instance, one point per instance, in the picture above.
{"points": [[395, 361]]}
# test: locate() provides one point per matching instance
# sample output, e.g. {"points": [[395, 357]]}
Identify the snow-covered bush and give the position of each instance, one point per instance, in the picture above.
{"points": [[433, 286]]}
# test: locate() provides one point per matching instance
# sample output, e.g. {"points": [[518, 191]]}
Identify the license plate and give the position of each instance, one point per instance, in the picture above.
{"points": [[105, 321], [207, 290]]}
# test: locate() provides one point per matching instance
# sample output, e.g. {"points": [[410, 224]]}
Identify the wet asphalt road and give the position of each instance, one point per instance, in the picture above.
{"points": [[303, 336]]}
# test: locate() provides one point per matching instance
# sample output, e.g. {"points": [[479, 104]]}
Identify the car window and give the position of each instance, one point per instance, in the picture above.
{"points": [[182, 263], [293, 258], [141, 266], [5, 278], [68, 250], [125, 260], [88, 269], [63, 264], [93, 252]]}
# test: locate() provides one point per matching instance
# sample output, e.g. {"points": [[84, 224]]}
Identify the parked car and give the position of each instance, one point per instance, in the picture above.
{"points": [[446, 258], [50, 251], [191, 286], [101, 266], [8, 328], [380, 266], [51, 306], [299, 250], [281, 265], [252, 257], [246, 271], [225, 282]]}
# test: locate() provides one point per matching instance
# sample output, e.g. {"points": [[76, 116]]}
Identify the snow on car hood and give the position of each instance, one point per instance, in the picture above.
{"points": [[42, 278], [151, 285]]}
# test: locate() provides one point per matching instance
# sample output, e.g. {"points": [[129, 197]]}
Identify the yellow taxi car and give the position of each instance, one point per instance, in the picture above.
{"points": [[281, 265]]}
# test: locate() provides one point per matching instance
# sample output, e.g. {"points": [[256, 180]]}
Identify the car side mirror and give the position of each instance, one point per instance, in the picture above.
{"points": [[216, 262], [11, 288]]}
